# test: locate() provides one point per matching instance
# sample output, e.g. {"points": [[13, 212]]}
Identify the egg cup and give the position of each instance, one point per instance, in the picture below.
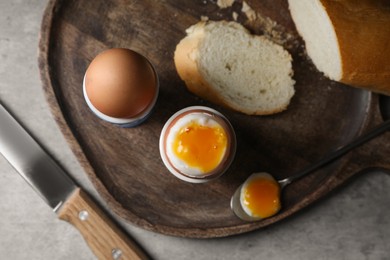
{"points": [[186, 173], [124, 122]]}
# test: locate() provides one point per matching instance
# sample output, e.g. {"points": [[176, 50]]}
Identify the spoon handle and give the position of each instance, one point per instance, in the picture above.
{"points": [[338, 153]]}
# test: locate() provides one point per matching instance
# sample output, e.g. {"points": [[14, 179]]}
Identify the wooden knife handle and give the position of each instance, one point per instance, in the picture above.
{"points": [[103, 236]]}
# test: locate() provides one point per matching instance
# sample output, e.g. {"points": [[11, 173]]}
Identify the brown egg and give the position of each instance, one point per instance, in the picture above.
{"points": [[120, 83]]}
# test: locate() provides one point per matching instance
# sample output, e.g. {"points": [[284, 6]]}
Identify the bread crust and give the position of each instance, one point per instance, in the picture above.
{"points": [[363, 32], [187, 67]]}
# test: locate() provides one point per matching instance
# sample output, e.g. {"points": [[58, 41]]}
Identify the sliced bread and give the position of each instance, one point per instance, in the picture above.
{"points": [[225, 64], [348, 40]]}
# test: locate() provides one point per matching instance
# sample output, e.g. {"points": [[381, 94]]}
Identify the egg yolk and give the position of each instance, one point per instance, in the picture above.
{"points": [[262, 197], [200, 146]]}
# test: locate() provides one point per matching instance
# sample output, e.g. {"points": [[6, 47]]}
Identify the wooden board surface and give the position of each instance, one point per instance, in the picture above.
{"points": [[125, 165]]}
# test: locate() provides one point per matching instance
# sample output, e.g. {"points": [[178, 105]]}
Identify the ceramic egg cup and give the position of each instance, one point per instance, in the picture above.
{"points": [[125, 122]]}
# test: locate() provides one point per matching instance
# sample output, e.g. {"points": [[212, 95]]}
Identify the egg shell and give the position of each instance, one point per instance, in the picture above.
{"points": [[121, 83]]}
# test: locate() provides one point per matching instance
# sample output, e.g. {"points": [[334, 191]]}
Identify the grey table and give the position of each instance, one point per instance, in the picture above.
{"points": [[353, 223]]}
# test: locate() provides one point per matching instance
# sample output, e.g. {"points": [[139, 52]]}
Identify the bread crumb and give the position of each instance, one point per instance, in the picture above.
{"points": [[235, 16], [225, 3], [271, 29], [261, 24], [204, 18], [249, 12]]}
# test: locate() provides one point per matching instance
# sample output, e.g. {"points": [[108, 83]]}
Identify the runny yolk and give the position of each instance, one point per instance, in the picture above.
{"points": [[262, 197], [200, 146]]}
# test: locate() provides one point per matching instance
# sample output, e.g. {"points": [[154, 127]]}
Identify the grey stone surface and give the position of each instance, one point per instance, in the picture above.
{"points": [[353, 223]]}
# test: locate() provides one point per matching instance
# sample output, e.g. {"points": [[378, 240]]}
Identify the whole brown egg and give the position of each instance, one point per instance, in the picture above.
{"points": [[120, 83]]}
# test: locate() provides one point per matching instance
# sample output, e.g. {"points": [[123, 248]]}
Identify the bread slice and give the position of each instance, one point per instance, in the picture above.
{"points": [[348, 40], [225, 64]]}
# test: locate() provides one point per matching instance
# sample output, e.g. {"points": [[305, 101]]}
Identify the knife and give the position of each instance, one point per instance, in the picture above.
{"points": [[62, 194]]}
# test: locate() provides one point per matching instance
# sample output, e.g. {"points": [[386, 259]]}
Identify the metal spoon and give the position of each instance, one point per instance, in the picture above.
{"points": [[383, 127]]}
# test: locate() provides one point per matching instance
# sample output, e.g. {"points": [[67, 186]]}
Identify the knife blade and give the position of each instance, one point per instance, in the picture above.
{"points": [[69, 201]]}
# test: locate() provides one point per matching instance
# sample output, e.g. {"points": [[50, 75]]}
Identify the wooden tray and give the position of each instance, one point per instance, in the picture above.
{"points": [[125, 165]]}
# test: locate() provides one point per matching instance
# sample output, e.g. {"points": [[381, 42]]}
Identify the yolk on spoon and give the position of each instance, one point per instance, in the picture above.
{"points": [[262, 197], [200, 146]]}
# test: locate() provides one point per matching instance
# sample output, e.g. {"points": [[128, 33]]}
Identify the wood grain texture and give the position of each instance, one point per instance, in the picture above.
{"points": [[104, 238], [125, 165]]}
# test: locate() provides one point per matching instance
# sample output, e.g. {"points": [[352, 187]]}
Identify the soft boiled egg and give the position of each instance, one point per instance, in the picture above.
{"points": [[259, 197], [197, 144], [120, 86]]}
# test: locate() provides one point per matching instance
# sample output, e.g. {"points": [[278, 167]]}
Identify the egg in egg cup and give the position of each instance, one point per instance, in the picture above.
{"points": [[121, 86], [197, 144]]}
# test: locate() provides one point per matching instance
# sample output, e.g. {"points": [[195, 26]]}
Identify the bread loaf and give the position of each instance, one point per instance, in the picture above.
{"points": [[223, 63], [348, 40]]}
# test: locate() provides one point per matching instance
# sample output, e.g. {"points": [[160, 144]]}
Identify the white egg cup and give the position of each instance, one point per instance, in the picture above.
{"points": [[230, 149], [125, 122]]}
